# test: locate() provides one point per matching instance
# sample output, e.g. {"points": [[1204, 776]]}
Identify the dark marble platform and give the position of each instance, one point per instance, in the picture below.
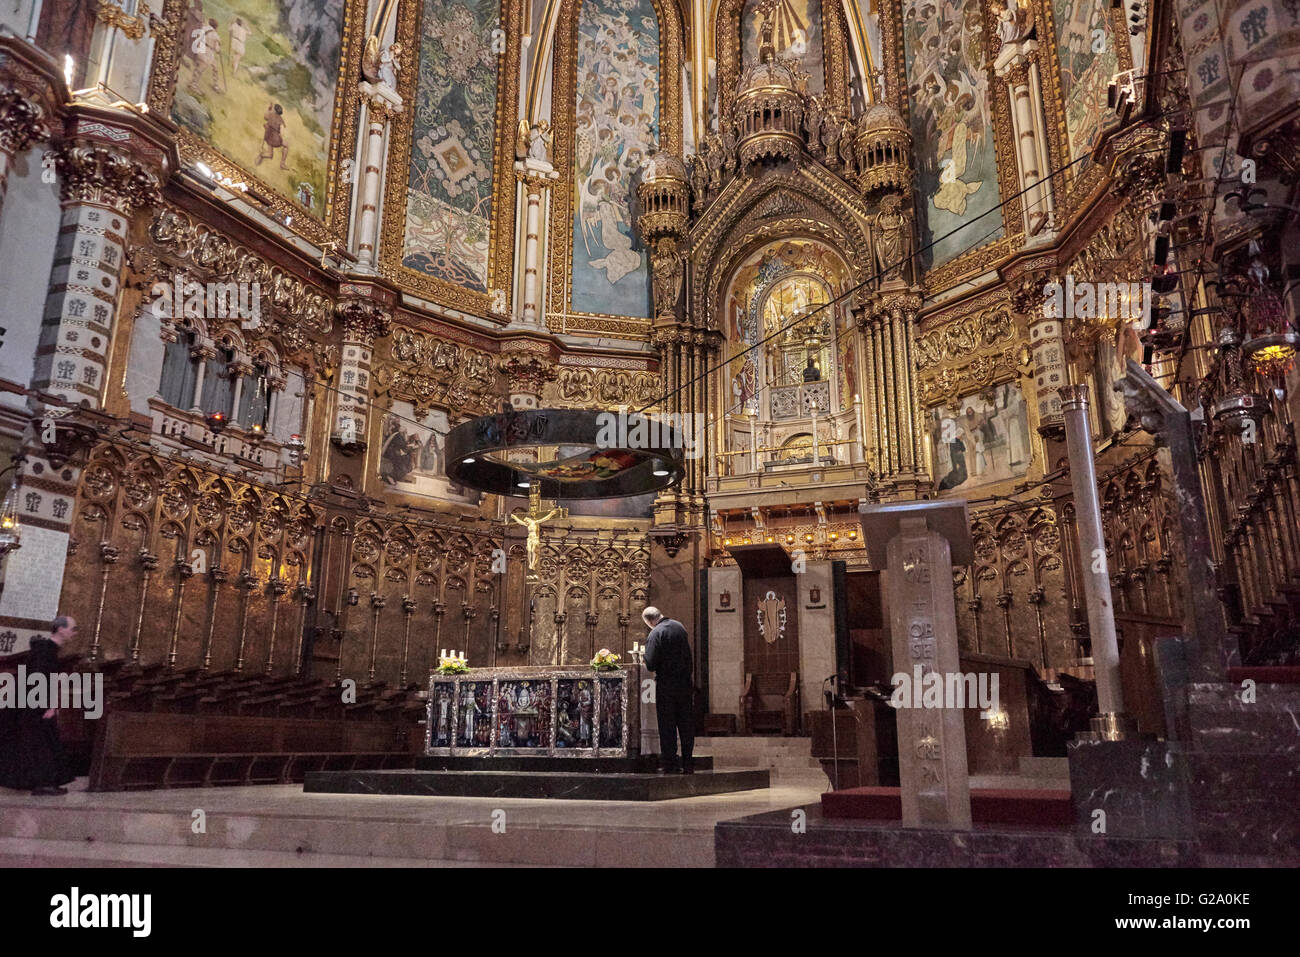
{"points": [[770, 840], [644, 764], [571, 785], [1036, 808]]}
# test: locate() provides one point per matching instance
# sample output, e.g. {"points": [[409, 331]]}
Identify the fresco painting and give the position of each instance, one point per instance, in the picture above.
{"points": [[256, 80], [952, 126], [1082, 27], [796, 34], [449, 193], [616, 128], [981, 439], [411, 455]]}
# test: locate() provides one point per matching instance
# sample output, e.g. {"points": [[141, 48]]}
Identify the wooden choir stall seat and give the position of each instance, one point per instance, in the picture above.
{"points": [[770, 703]]}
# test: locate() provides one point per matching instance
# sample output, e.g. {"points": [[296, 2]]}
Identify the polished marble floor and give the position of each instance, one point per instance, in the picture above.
{"points": [[282, 826]]}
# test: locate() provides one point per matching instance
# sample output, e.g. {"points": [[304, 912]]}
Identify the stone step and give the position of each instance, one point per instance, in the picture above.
{"points": [[1054, 768], [1018, 782], [732, 762], [20, 852], [242, 840]]}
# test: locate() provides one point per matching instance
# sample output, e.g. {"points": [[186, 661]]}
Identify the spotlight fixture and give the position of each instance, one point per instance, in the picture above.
{"points": [[789, 539], [217, 422], [1177, 144], [1162, 250]]}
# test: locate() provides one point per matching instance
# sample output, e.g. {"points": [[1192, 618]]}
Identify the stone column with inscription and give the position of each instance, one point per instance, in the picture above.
{"points": [[917, 544]]}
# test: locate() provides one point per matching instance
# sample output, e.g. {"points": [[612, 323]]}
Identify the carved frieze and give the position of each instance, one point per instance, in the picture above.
{"points": [[297, 311]]}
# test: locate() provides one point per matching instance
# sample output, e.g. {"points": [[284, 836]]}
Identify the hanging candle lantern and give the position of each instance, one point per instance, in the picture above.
{"points": [[1271, 344]]}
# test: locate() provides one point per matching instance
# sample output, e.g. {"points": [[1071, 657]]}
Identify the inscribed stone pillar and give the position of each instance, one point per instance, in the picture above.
{"points": [[923, 541]]}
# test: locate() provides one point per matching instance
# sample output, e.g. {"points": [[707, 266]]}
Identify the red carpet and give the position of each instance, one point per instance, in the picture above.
{"points": [[987, 806]]}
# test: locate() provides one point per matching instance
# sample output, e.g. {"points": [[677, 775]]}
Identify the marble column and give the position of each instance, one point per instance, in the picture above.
{"points": [[1111, 723], [535, 177], [382, 104], [1017, 66]]}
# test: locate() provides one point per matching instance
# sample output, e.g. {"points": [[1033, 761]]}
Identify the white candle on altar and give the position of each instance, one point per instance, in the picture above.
{"points": [[443, 655]]}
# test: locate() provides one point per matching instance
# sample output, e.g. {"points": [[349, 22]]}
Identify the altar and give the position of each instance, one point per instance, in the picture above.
{"points": [[541, 732], [535, 711]]}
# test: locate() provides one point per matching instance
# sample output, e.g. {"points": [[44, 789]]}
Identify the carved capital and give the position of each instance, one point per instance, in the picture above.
{"points": [[22, 122], [93, 173], [363, 321], [114, 16], [109, 554]]}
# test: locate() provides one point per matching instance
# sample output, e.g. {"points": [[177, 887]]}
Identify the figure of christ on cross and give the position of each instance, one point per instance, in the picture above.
{"points": [[533, 520]]}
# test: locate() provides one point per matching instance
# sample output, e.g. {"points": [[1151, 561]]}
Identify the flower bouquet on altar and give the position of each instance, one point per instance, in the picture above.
{"points": [[453, 664], [605, 661]]}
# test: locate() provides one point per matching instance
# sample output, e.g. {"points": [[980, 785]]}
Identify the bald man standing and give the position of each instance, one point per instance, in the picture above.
{"points": [[668, 655]]}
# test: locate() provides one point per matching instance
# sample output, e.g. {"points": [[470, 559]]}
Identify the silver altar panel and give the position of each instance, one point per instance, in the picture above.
{"points": [[566, 713]]}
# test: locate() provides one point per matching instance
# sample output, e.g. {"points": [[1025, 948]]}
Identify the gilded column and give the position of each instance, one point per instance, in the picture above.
{"points": [[1016, 64]]}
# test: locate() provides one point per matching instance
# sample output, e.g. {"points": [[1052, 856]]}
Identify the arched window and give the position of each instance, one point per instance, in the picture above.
{"points": [[219, 381], [788, 354], [255, 398], [180, 369]]}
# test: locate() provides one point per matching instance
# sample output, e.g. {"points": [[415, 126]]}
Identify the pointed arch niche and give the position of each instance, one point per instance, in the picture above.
{"points": [[779, 385]]}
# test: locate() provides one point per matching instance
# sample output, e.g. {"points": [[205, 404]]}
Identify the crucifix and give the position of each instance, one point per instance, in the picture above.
{"points": [[533, 520]]}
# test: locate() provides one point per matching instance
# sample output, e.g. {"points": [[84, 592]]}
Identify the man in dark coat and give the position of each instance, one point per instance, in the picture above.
{"points": [[31, 755], [668, 655]]}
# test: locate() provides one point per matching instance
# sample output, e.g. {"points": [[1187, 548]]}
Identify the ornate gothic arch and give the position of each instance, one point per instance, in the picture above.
{"points": [[806, 202]]}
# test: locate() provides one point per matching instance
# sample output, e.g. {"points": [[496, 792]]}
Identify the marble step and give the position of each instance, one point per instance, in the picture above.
{"points": [[20, 852], [82, 833], [1057, 769]]}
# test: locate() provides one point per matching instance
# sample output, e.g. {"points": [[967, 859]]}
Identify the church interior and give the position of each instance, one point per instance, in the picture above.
{"points": [[368, 368]]}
